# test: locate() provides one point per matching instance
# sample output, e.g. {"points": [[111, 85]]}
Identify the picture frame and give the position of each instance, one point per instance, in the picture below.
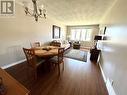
{"points": [[105, 30], [56, 32]]}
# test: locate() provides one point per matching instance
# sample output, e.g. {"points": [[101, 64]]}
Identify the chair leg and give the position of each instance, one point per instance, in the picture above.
{"points": [[63, 66], [35, 73], [27, 70], [58, 69]]}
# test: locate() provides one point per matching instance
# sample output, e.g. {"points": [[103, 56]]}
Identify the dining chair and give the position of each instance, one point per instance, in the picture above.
{"points": [[32, 60], [57, 60], [35, 44]]}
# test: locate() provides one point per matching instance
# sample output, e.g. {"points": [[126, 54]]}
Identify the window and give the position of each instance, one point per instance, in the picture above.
{"points": [[81, 34]]}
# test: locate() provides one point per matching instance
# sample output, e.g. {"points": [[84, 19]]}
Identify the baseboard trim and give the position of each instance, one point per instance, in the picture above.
{"points": [[104, 77], [12, 64], [110, 87], [107, 82]]}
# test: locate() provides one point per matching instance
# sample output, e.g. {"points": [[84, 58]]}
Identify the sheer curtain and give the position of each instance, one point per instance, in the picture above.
{"points": [[81, 34]]}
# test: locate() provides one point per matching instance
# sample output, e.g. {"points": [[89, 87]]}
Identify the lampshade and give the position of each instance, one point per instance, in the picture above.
{"points": [[97, 37]]}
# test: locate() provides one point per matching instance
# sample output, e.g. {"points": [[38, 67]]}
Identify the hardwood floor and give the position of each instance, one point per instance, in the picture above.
{"points": [[78, 78]]}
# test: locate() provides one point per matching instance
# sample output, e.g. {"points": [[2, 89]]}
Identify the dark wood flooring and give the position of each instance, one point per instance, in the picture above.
{"points": [[78, 78]]}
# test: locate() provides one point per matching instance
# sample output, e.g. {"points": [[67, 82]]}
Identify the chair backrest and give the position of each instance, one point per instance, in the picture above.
{"points": [[35, 44], [60, 54], [30, 56]]}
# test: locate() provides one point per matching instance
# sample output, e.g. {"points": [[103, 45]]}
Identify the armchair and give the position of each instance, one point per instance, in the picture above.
{"points": [[76, 45]]}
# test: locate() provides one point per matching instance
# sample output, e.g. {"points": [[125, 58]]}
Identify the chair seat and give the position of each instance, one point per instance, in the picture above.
{"points": [[55, 59]]}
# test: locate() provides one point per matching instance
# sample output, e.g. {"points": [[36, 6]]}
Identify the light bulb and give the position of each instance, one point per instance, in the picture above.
{"points": [[41, 6]]}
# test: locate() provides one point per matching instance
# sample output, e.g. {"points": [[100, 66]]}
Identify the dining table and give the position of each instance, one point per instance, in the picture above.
{"points": [[46, 51]]}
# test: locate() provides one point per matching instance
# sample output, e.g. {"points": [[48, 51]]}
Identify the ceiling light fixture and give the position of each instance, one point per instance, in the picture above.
{"points": [[37, 11]]}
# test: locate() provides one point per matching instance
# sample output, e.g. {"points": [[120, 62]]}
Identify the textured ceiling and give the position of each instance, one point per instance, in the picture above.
{"points": [[76, 12]]}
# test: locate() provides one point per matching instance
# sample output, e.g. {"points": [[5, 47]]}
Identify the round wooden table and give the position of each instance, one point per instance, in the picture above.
{"points": [[40, 52]]}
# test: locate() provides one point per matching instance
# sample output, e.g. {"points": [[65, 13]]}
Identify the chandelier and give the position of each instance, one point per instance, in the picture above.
{"points": [[38, 12]]}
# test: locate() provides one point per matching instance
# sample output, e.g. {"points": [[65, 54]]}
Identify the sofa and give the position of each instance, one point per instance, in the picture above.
{"points": [[61, 43]]}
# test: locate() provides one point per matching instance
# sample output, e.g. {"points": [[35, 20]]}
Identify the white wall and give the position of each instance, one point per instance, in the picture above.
{"points": [[114, 52], [19, 31]]}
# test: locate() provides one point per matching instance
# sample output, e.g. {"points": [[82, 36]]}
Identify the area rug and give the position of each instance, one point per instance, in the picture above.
{"points": [[76, 54]]}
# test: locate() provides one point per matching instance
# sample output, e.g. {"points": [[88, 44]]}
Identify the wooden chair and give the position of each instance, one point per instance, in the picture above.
{"points": [[32, 60], [35, 44], [57, 60]]}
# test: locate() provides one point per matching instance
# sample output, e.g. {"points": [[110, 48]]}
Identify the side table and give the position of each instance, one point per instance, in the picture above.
{"points": [[94, 53], [76, 46]]}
